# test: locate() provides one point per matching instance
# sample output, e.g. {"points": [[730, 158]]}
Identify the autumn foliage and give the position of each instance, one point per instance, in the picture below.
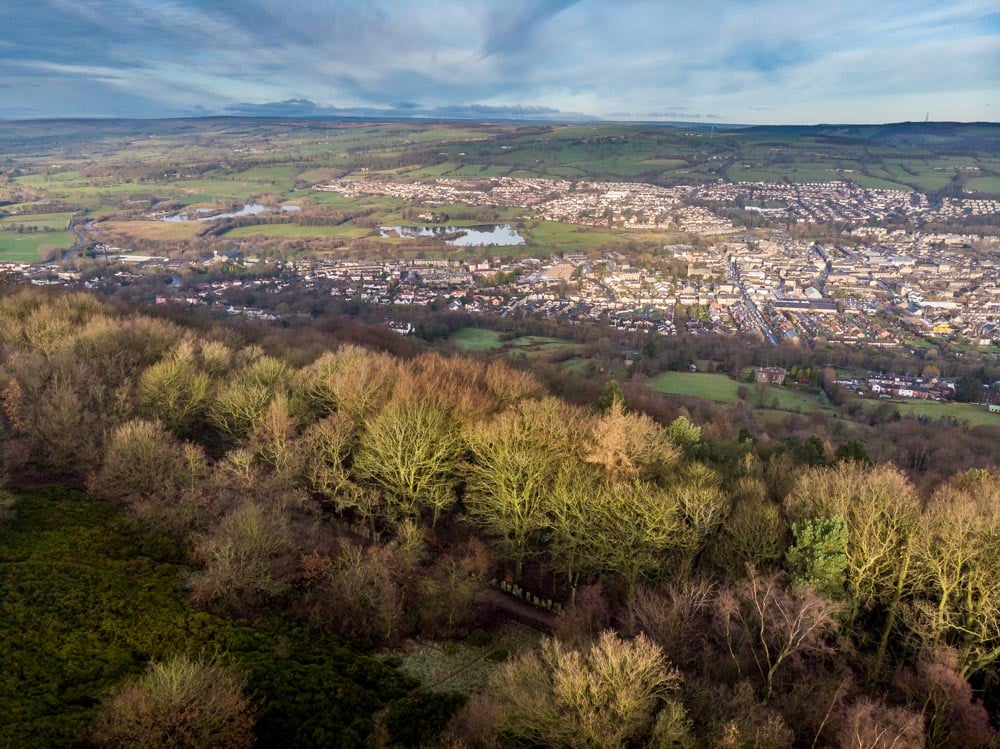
{"points": [[728, 596]]}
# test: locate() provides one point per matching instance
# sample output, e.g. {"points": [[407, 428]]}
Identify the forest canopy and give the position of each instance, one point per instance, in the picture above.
{"points": [[711, 594]]}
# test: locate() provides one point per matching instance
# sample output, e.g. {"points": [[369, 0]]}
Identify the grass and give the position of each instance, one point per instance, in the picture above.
{"points": [[462, 667], [26, 248], [297, 231], [577, 365], [984, 184], [470, 340], [723, 389], [157, 230], [39, 220], [973, 414], [476, 339], [716, 387], [555, 233], [790, 399], [536, 345]]}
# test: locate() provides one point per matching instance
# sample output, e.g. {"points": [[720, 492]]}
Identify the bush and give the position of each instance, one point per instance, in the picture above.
{"points": [[478, 638], [498, 655], [419, 718], [179, 703]]}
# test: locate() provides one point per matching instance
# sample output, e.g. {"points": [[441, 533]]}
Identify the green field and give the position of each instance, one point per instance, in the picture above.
{"points": [[556, 234], [792, 400], [536, 345], [295, 230], [56, 221], [716, 387], [476, 339], [973, 414], [577, 365], [723, 389], [25, 248], [155, 230], [470, 340], [127, 168]]}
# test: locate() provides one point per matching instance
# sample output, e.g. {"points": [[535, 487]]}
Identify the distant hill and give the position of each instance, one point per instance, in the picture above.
{"points": [[968, 136]]}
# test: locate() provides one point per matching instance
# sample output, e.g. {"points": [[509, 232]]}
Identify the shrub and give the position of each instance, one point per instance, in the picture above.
{"points": [[417, 719], [179, 703], [478, 638]]}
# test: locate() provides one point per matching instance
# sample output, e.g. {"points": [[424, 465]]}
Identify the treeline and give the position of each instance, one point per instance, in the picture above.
{"points": [[304, 218], [716, 595]]}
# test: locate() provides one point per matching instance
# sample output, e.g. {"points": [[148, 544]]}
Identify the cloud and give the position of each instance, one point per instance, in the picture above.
{"points": [[765, 61], [306, 109], [286, 108], [511, 25]]}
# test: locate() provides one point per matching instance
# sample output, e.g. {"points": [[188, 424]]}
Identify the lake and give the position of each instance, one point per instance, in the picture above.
{"points": [[248, 209], [497, 235]]}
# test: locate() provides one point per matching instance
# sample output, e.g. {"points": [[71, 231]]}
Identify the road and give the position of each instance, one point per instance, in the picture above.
{"points": [[763, 327], [82, 240], [827, 266]]}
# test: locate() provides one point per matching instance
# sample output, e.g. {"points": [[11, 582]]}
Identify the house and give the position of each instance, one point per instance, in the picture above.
{"points": [[770, 375]]}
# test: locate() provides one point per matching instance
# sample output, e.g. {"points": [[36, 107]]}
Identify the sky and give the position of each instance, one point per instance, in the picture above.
{"points": [[725, 61]]}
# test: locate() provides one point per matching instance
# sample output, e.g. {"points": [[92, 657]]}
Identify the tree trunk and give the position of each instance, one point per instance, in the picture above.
{"points": [[890, 619]]}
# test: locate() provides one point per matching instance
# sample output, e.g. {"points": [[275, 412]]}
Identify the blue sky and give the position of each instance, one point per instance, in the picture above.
{"points": [[753, 61]]}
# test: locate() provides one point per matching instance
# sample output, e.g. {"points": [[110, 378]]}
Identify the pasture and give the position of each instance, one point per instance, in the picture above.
{"points": [[716, 387], [974, 415], [27, 248], [476, 339], [723, 389], [163, 231], [297, 231], [472, 340], [57, 221]]}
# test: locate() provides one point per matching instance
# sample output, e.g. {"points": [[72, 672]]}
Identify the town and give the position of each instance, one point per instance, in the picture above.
{"points": [[869, 286]]}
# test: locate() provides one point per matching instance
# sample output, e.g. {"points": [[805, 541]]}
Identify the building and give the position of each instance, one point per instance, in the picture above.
{"points": [[770, 375]]}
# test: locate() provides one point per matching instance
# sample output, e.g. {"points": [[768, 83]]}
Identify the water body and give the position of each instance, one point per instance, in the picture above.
{"points": [[497, 235], [248, 209]]}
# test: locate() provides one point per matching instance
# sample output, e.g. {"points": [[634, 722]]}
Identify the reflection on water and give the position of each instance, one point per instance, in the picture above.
{"points": [[500, 235], [248, 209]]}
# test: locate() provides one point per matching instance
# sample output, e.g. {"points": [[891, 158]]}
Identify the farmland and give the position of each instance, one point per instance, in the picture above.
{"points": [[296, 230], [122, 170], [973, 415], [28, 248], [723, 389], [476, 339], [471, 340], [716, 387]]}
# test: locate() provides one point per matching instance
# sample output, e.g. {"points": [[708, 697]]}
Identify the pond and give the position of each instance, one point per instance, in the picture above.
{"points": [[497, 235], [248, 209]]}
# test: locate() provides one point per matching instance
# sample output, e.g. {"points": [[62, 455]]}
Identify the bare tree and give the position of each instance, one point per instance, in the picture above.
{"points": [[179, 704], [764, 623], [412, 450], [872, 725], [608, 695]]}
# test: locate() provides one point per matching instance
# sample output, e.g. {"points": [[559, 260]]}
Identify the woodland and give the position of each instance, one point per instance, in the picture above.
{"points": [[216, 535]]}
